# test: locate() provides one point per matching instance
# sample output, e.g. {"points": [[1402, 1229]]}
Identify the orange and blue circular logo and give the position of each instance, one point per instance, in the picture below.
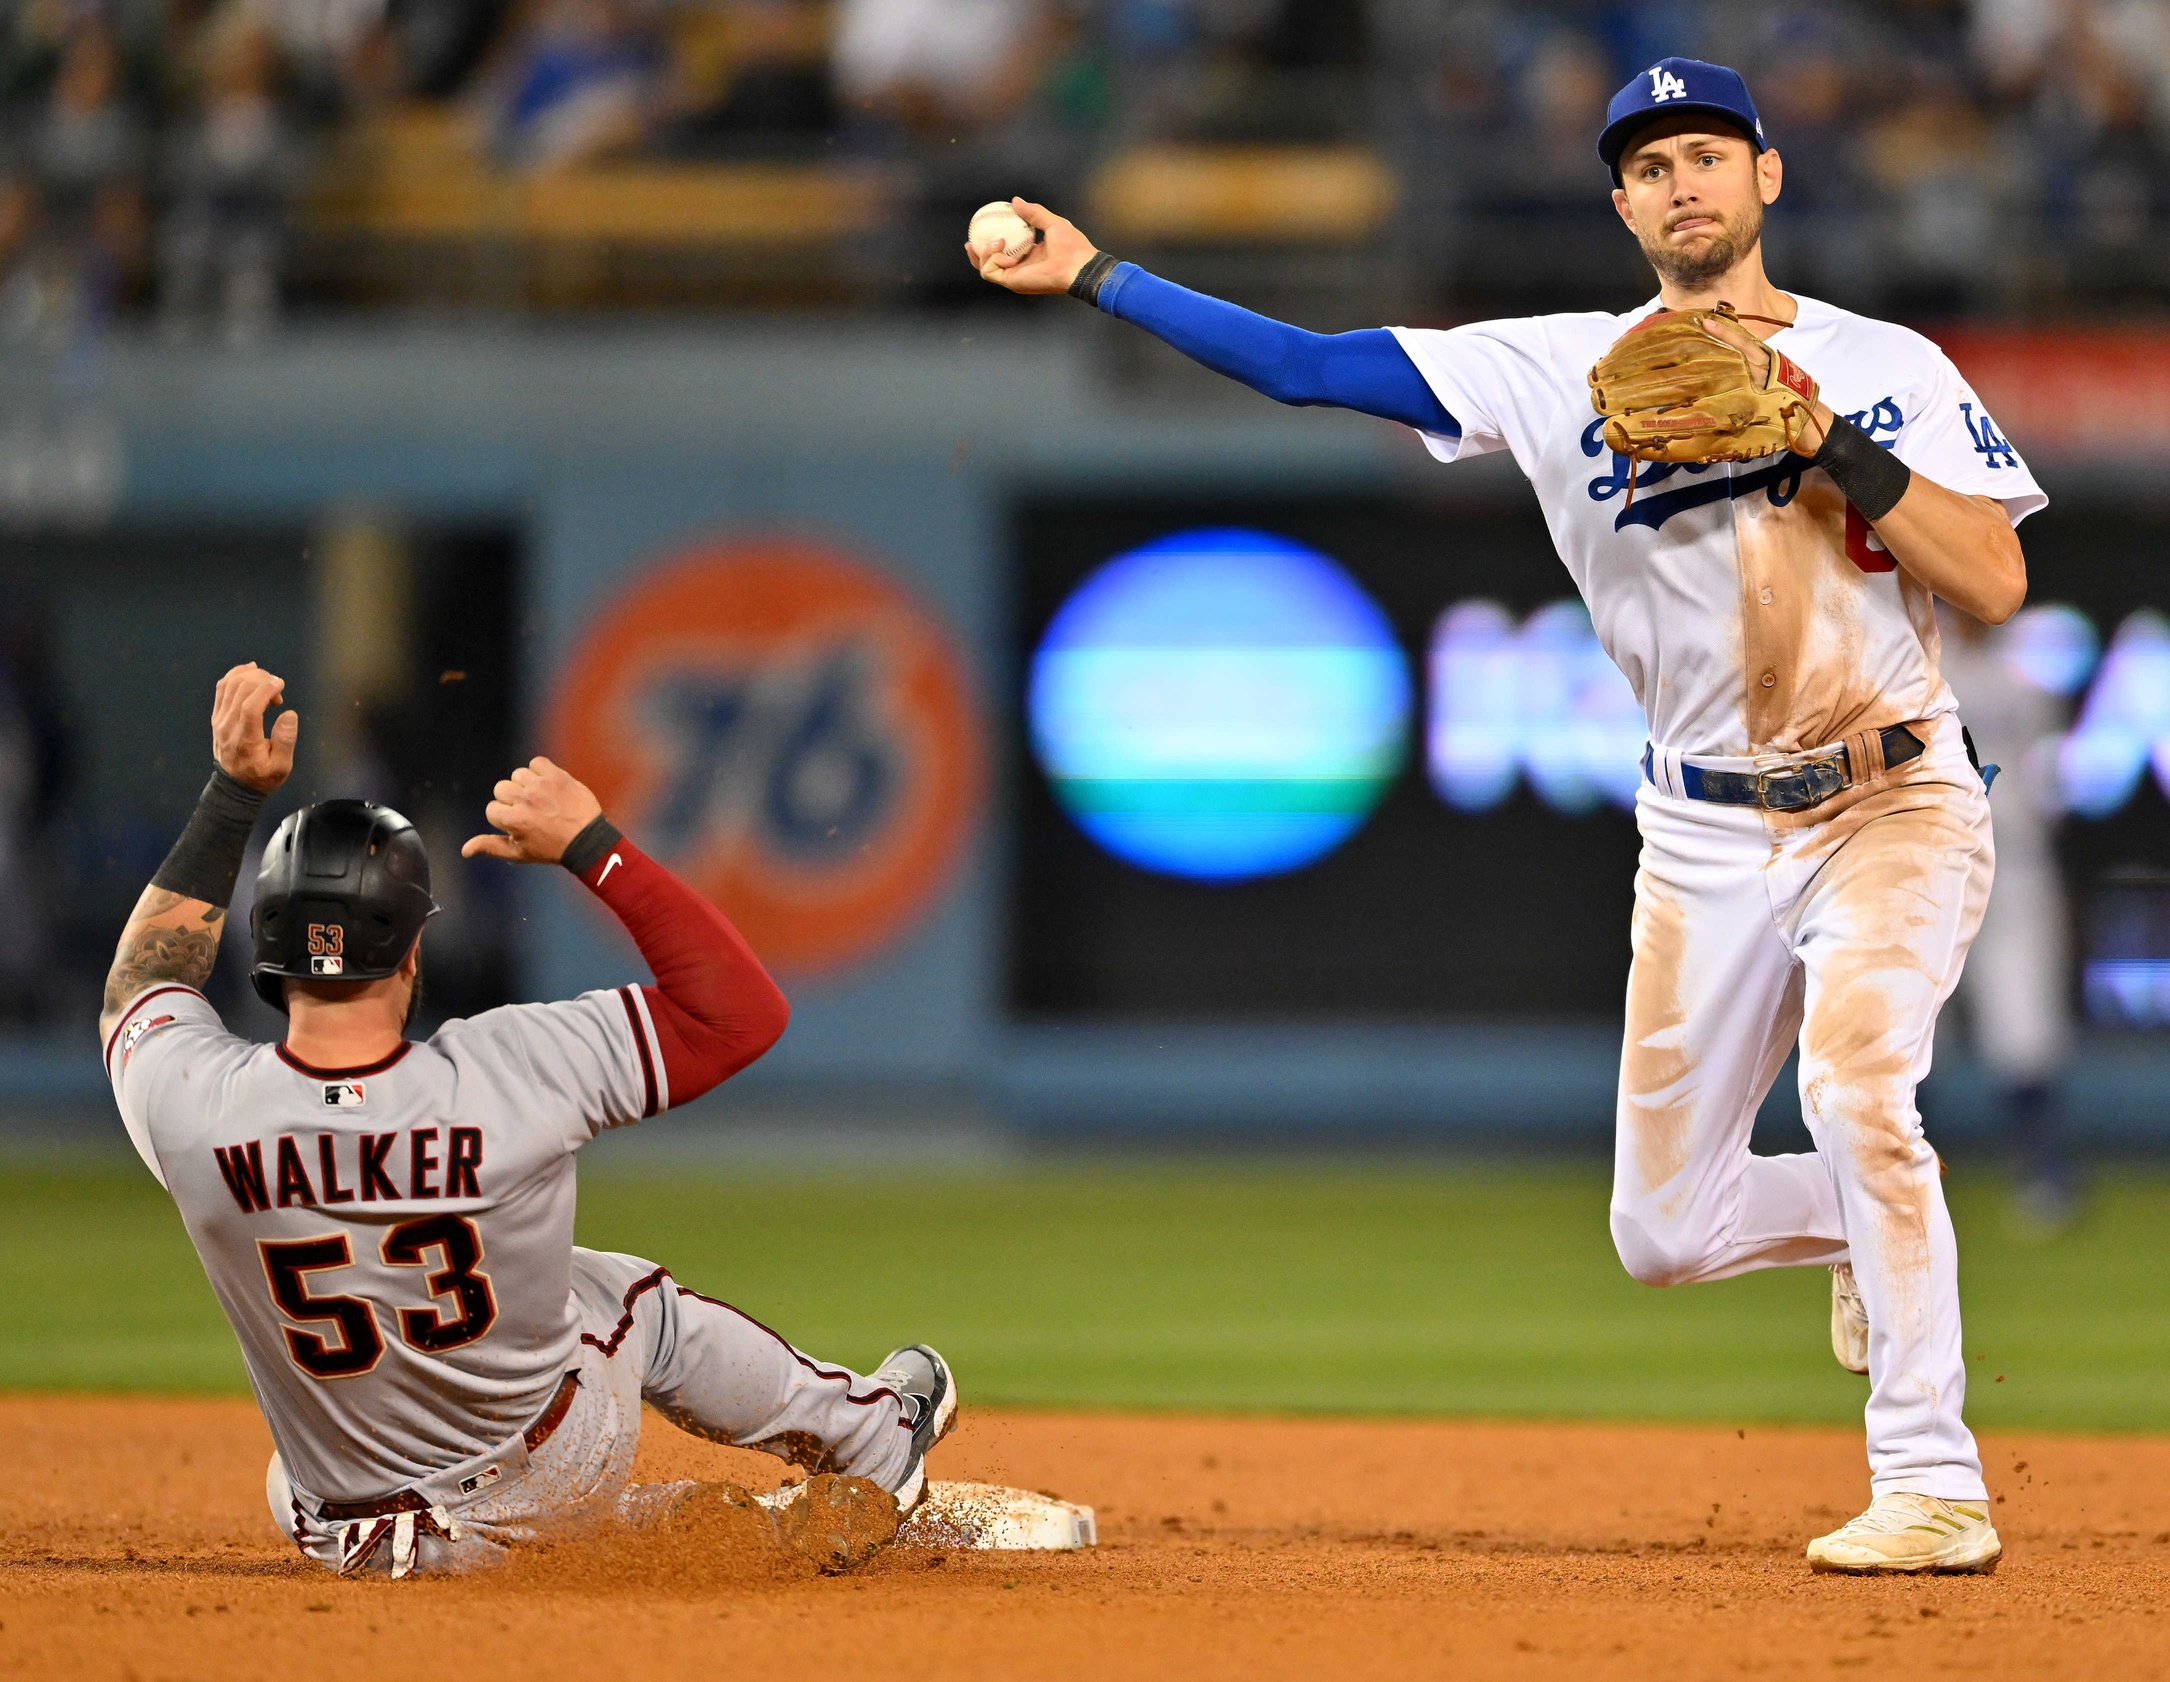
{"points": [[787, 729]]}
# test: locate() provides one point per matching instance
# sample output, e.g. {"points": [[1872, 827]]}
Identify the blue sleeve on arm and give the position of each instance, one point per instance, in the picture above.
{"points": [[1366, 371]]}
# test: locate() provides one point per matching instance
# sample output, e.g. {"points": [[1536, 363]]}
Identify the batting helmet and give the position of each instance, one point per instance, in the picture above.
{"points": [[341, 895]]}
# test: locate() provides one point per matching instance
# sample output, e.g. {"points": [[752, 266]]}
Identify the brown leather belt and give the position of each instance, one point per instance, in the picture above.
{"points": [[410, 1501]]}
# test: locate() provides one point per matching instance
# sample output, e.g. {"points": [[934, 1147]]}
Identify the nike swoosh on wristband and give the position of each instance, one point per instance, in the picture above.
{"points": [[615, 861]]}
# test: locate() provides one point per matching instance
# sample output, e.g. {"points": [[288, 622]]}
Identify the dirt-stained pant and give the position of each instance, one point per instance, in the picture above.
{"points": [[1846, 926], [702, 1364]]}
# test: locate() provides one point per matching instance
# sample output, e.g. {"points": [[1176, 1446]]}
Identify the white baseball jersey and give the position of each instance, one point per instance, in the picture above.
{"points": [[392, 1244], [1748, 603]]}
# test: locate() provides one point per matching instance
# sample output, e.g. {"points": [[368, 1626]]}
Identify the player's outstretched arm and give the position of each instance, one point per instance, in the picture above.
{"points": [[1367, 371], [173, 933], [714, 1007]]}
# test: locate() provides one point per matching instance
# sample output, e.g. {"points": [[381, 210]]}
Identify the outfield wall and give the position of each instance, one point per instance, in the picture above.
{"points": [[907, 449]]}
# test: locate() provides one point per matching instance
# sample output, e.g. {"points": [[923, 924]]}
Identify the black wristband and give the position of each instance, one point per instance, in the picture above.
{"points": [[206, 862], [586, 849], [1872, 478], [1086, 288]]}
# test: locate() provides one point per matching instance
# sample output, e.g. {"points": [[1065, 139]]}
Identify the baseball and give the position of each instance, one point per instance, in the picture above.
{"points": [[997, 226]]}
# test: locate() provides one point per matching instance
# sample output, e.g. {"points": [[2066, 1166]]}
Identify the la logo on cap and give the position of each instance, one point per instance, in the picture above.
{"points": [[1665, 85]]}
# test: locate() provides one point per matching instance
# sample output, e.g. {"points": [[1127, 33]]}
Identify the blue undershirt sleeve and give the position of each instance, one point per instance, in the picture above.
{"points": [[1367, 371]]}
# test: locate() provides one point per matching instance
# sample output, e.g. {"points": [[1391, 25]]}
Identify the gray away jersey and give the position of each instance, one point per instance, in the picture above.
{"points": [[392, 1244]]}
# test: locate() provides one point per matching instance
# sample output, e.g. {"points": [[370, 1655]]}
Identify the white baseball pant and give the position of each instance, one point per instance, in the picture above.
{"points": [[702, 1364], [1846, 925]]}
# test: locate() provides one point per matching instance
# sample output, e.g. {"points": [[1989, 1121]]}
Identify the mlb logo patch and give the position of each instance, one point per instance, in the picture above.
{"points": [[481, 1480], [328, 963], [344, 1095]]}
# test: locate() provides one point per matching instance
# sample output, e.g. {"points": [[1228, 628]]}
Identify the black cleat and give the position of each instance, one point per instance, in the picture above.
{"points": [[922, 1378]]}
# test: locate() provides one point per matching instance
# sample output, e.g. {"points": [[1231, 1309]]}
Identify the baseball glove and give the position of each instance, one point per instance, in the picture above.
{"points": [[1670, 390]]}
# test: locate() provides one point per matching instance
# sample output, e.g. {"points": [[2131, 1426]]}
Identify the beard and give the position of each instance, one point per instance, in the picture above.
{"points": [[1693, 270]]}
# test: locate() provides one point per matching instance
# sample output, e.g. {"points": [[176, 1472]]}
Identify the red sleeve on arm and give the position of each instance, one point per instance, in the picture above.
{"points": [[714, 1007]]}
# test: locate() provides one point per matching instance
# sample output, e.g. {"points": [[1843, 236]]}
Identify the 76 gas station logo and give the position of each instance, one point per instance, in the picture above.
{"points": [[790, 729], [795, 755]]}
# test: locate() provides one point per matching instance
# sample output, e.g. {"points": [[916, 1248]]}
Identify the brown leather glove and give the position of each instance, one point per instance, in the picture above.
{"points": [[1672, 391]]}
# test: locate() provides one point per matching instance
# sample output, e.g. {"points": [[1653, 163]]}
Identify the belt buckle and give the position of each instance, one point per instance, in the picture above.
{"points": [[1809, 784], [1768, 797]]}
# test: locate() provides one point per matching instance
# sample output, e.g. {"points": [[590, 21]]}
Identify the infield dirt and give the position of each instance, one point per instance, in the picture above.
{"points": [[134, 1542]]}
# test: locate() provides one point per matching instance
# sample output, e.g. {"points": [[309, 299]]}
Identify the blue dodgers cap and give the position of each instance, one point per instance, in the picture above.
{"points": [[1676, 84]]}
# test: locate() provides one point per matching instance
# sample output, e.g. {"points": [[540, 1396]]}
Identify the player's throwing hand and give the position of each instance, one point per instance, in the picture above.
{"points": [[540, 808], [1048, 266], [245, 751]]}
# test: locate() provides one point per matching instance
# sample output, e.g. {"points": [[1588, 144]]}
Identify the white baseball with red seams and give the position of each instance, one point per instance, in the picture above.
{"points": [[997, 225], [1755, 615]]}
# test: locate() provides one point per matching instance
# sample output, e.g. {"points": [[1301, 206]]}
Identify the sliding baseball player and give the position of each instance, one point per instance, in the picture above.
{"points": [[1760, 497], [388, 1222]]}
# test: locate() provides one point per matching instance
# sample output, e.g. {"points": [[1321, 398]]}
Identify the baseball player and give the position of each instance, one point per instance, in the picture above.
{"points": [[1758, 502], [388, 1223]]}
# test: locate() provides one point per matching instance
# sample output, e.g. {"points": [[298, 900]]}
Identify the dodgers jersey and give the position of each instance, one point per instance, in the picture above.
{"points": [[393, 1244], [1749, 605]]}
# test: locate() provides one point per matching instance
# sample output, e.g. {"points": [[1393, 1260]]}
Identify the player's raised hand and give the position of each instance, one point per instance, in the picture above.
{"points": [[245, 751], [1743, 338], [1047, 266], [539, 809]]}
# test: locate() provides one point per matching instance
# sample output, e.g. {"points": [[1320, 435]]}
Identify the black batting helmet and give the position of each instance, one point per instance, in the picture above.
{"points": [[341, 895]]}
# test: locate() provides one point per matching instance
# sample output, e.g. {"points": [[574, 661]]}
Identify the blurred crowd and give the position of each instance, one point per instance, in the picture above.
{"points": [[1943, 157], [148, 151], [1990, 156]]}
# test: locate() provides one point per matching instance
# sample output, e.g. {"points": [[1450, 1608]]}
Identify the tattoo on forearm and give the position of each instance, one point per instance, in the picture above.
{"points": [[164, 953]]}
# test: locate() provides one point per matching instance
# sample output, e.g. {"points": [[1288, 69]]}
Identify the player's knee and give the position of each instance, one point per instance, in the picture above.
{"points": [[1657, 1254]]}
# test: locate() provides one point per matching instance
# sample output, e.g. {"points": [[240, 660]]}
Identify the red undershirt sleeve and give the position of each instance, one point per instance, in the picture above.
{"points": [[714, 1007]]}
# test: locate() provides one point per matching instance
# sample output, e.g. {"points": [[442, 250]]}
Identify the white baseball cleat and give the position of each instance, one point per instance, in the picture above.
{"points": [[1904, 1532], [1849, 1320]]}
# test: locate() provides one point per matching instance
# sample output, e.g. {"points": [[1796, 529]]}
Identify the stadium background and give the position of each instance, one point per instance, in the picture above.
{"points": [[602, 376]]}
